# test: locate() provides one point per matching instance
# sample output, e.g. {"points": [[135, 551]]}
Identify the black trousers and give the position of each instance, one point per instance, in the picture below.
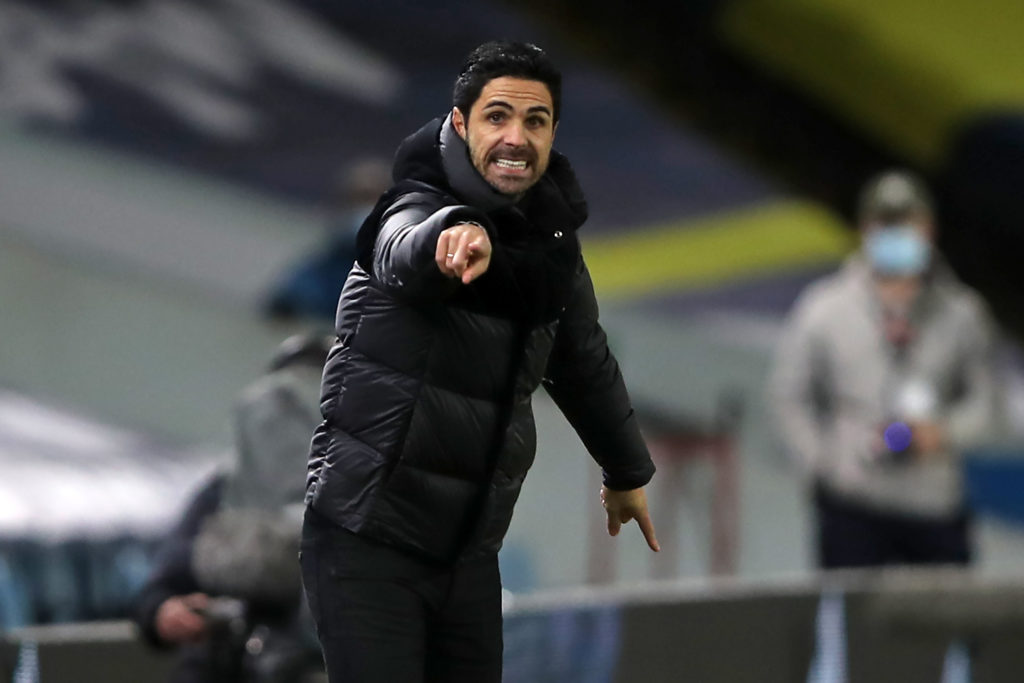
{"points": [[384, 615], [852, 535]]}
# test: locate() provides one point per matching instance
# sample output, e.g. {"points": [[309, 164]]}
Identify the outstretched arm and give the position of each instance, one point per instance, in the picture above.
{"points": [[411, 250], [584, 379]]}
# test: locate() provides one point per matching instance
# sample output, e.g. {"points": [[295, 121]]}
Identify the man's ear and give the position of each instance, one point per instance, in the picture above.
{"points": [[459, 122]]}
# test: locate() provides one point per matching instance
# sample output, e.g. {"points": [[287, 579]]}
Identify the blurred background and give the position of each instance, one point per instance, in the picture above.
{"points": [[178, 179]]}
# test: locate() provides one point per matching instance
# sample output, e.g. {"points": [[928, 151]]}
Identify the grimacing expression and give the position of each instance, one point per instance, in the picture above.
{"points": [[509, 131]]}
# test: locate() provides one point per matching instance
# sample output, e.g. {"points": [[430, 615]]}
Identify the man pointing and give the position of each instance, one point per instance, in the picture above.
{"points": [[469, 292]]}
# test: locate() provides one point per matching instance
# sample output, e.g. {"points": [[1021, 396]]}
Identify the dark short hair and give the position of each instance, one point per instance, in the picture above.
{"points": [[893, 196], [505, 58]]}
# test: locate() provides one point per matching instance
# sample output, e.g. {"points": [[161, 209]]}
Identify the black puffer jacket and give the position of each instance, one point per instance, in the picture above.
{"points": [[428, 429]]}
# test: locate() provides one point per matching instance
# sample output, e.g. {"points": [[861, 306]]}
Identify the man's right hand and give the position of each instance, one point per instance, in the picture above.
{"points": [[178, 619], [622, 506], [463, 251]]}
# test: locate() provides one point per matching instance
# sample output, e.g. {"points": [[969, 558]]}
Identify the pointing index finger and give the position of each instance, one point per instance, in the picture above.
{"points": [[461, 259], [647, 527]]}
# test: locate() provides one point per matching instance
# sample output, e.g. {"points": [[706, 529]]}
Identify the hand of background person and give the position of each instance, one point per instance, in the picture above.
{"points": [[178, 619], [623, 506], [463, 251], [927, 438]]}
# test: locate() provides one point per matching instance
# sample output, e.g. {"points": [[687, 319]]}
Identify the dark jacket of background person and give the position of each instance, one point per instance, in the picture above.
{"points": [[312, 285], [172, 572], [238, 537], [428, 428]]}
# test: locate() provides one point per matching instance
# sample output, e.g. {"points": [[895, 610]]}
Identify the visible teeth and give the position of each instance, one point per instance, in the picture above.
{"points": [[509, 163]]}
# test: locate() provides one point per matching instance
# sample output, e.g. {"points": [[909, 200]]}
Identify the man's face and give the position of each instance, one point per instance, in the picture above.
{"points": [[509, 131]]}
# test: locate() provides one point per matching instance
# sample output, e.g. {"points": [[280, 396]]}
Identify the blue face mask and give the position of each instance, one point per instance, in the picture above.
{"points": [[898, 250]]}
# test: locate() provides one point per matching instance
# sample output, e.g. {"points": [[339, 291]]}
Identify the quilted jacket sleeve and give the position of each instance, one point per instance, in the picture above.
{"points": [[583, 378], [403, 256]]}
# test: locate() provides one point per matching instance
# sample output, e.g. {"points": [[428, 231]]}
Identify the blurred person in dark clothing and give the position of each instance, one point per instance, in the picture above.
{"points": [[311, 288], [884, 376], [470, 290], [225, 582]]}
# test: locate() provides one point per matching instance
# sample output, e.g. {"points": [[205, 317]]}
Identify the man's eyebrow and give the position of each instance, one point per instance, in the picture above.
{"points": [[499, 103], [505, 105]]}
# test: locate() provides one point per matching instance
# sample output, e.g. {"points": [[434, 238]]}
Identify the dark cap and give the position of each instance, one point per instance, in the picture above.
{"points": [[894, 196]]}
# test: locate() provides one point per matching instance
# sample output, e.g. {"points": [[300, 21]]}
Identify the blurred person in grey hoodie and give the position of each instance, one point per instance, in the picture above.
{"points": [[225, 590], [884, 375]]}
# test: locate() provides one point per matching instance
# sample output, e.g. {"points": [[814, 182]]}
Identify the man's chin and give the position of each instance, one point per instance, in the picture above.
{"points": [[511, 186]]}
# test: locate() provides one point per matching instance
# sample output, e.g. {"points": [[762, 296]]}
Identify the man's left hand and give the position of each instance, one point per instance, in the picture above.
{"points": [[623, 506]]}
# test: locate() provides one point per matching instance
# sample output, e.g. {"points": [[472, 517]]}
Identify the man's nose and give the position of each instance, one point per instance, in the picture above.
{"points": [[515, 134]]}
